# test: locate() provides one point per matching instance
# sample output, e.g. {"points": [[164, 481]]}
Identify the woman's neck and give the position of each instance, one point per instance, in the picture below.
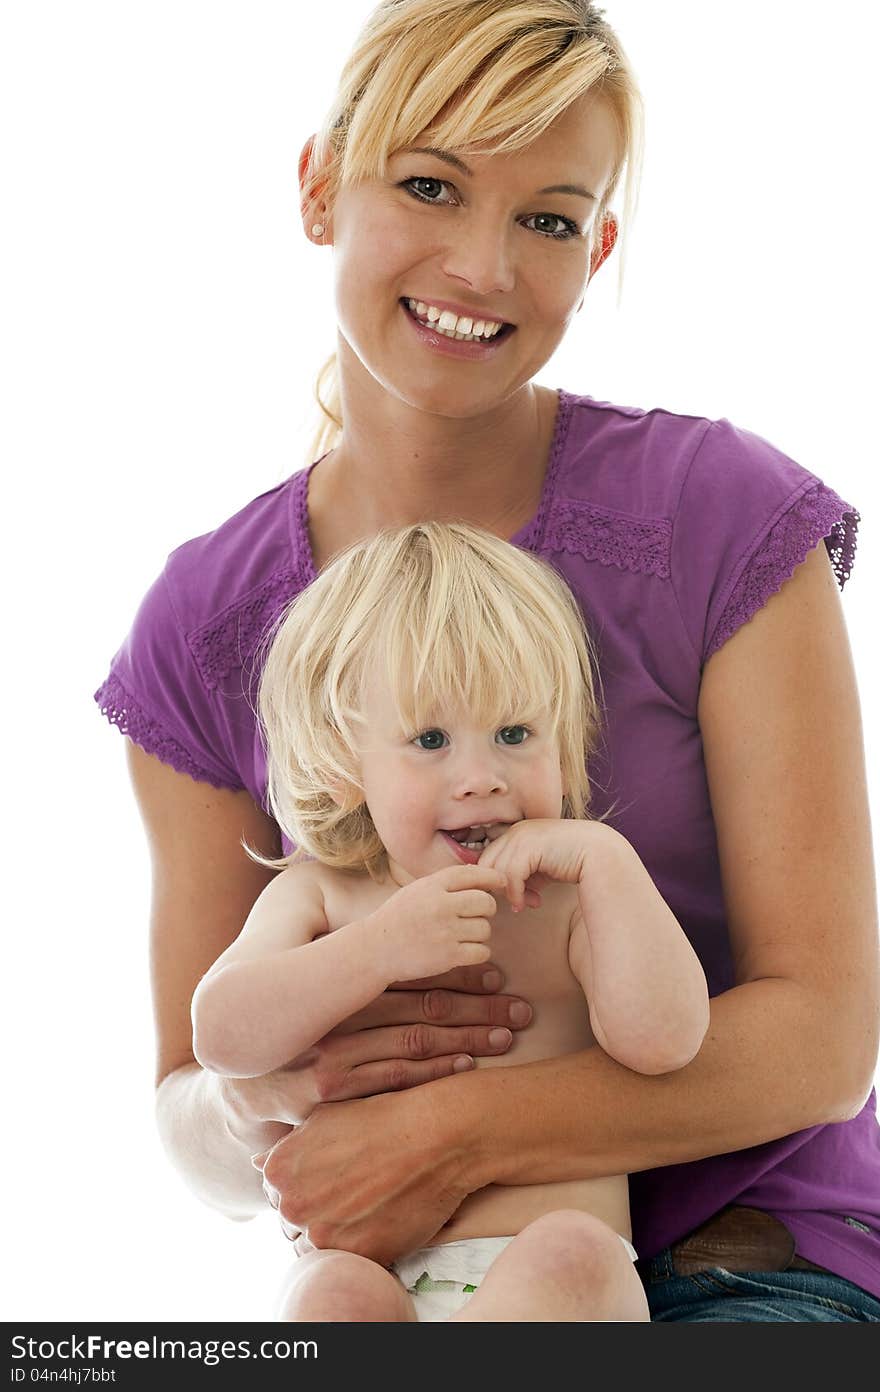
{"points": [[398, 466]]}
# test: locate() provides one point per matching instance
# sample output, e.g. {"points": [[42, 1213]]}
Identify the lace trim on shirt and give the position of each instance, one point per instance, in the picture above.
{"points": [[818, 513], [640, 545], [231, 640], [532, 536], [132, 720]]}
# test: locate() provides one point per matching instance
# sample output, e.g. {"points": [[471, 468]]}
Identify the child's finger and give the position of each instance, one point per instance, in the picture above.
{"points": [[477, 876], [470, 953], [516, 892]]}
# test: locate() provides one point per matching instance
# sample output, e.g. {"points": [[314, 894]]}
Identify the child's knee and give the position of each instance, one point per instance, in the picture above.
{"points": [[341, 1286], [578, 1246]]}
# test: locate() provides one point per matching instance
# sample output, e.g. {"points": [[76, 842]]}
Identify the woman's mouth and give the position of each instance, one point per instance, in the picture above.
{"points": [[456, 335]]}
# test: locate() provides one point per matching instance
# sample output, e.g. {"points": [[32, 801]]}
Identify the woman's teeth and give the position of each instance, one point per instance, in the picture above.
{"points": [[459, 327]]}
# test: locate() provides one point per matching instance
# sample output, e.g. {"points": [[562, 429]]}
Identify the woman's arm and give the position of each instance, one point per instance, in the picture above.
{"points": [[793, 1044], [204, 886]]}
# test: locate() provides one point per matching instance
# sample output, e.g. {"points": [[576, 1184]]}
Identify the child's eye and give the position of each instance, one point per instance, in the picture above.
{"points": [[430, 739], [513, 734]]}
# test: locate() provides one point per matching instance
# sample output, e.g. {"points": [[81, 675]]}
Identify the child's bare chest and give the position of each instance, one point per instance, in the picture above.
{"points": [[530, 949]]}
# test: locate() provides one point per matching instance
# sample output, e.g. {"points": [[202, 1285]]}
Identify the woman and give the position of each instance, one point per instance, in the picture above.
{"points": [[464, 180]]}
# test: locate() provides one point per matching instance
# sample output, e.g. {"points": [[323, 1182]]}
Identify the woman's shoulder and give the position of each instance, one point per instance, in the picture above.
{"points": [[710, 507], [180, 683], [220, 569], [226, 585], [626, 475], [641, 460]]}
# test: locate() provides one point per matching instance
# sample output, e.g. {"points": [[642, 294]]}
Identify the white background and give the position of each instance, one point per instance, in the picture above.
{"points": [[162, 320]]}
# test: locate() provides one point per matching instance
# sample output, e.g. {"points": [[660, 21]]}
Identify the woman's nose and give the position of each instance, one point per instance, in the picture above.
{"points": [[480, 255]]}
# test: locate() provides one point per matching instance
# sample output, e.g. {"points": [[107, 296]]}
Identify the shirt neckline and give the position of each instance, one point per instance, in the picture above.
{"points": [[528, 537]]}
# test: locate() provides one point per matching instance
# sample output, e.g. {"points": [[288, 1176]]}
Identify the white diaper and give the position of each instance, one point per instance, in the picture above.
{"points": [[442, 1279]]}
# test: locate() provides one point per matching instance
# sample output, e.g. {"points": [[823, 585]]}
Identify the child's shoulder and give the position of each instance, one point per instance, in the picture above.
{"points": [[346, 894]]}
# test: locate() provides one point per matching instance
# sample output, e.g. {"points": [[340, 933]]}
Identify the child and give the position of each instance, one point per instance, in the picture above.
{"points": [[429, 709]]}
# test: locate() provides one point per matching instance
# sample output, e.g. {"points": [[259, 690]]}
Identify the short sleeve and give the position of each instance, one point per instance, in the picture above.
{"points": [[155, 695], [747, 517]]}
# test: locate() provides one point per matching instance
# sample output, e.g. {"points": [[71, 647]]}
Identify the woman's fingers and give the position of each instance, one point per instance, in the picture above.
{"points": [[395, 1075], [398, 1057], [472, 980], [416, 1041], [436, 1006]]}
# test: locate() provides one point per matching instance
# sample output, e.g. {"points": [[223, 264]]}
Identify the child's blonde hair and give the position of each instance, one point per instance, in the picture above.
{"points": [[447, 614], [493, 73]]}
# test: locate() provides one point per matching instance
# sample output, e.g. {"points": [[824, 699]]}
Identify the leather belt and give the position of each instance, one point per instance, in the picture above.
{"points": [[739, 1239]]}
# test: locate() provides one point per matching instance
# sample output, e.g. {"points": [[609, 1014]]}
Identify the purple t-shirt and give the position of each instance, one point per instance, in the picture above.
{"points": [[672, 531]]}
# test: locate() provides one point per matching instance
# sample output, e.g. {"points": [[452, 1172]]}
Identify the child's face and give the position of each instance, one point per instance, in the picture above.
{"points": [[454, 774]]}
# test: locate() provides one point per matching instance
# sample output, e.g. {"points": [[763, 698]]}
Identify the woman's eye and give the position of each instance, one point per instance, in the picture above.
{"points": [[424, 196], [560, 228], [513, 734], [430, 739], [566, 227]]}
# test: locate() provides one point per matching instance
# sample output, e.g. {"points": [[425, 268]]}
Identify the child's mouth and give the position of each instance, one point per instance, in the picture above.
{"points": [[468, 843]]}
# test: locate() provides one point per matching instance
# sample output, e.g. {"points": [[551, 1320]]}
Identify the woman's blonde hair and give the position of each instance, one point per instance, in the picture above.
{"points": [[493, 73], [447, 614]]}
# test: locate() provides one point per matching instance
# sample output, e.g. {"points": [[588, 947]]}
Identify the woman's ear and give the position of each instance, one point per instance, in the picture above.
{"points": [[315, 214], [604, 243]]}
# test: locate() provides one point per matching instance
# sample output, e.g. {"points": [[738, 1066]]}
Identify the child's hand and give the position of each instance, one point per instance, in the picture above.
{"points": [[532, 849], [438, 922]]}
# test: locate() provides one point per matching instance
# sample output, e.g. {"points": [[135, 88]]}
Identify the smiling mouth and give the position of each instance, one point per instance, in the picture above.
{"points": [[447, 325]]}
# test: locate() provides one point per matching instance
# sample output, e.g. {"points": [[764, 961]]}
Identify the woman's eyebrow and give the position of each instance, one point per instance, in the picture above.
{"points": [[460, 165]]}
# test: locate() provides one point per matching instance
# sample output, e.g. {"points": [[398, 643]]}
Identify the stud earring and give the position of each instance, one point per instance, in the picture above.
{"points": [[318, 229]]}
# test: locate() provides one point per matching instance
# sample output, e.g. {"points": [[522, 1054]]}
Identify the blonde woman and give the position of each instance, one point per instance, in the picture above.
{"points": [[429, 713], [463, 184]]}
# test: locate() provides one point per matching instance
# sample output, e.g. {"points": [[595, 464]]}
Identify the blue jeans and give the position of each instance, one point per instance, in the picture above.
{"points": [[753, 1297]]}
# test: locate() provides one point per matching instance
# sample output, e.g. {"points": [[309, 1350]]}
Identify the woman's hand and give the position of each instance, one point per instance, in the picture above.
{"points": [[414, 1033], [404, 1174]]}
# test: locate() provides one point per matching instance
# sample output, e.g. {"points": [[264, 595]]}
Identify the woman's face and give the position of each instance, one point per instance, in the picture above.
{"points": [[490, 243]]}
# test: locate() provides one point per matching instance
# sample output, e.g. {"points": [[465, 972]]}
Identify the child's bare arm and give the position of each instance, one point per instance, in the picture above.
{"points": [[645, 988], [647, 993], [287, 980]]}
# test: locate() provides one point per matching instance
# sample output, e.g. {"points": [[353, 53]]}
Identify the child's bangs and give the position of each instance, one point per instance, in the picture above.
{"points": [[493, 674]]}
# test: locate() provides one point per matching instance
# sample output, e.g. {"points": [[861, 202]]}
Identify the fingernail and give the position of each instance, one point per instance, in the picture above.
{"points": [[520, 1013], [462, 1064], [499, 1037], [491, 980]]}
